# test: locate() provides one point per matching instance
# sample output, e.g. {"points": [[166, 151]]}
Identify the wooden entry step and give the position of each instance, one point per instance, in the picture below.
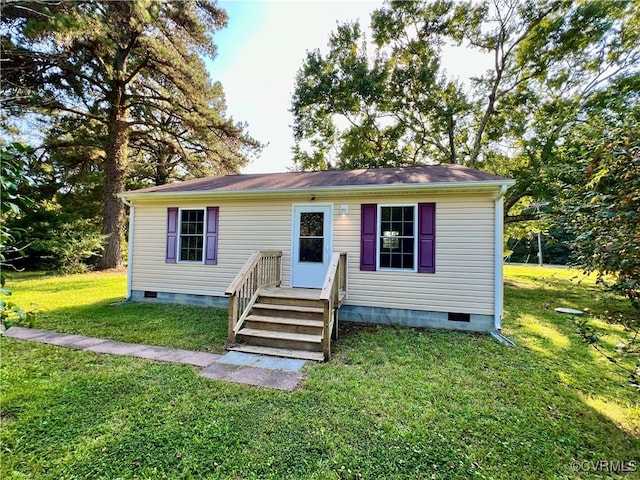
{"points": [[300, 297], [292, 293], [291, 311], [282, 339], [285, 324], [278, 352]]}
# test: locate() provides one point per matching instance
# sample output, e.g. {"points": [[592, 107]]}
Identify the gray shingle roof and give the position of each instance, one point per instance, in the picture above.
{"points": [[426, 174]]}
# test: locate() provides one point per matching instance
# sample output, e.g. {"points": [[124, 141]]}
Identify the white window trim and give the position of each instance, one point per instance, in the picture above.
{"points": [[415, 237], [204, 236]]}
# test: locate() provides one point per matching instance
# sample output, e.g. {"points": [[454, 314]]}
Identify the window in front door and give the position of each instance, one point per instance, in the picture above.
{"points": [[311, 237]]}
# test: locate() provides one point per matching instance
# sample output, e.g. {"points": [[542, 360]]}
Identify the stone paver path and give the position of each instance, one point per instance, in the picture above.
{"points": [[258, 370], [237, 367]]}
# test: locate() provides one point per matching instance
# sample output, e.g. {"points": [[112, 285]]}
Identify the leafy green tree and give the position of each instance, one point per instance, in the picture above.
{"points": [[119, 69], [601, 207], [389, 102], [14, 162]]}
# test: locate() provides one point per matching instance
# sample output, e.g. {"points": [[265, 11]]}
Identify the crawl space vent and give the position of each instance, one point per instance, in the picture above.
{"points": [[459, 317]]}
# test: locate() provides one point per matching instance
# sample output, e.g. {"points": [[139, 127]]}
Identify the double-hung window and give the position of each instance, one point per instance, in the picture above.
{"points": [[397, 237], [191, 244], [192, 235]]}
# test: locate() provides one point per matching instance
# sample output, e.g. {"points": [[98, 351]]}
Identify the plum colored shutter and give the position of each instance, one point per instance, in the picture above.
{"points": [[211, 241], [427, 237], [368, 236], [172, 234]]}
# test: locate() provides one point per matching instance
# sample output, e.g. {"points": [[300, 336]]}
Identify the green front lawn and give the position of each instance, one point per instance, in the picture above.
{"points": [[392, 403], [92, 304]]}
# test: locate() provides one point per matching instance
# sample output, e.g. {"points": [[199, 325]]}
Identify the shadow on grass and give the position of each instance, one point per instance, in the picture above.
{"points": [[552, 340], [546, 408]]}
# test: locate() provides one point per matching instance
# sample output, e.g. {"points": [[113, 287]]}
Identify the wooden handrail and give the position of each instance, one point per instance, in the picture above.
{"points": [[330, 277], [262, 269], [332, 294], [242, 274]]}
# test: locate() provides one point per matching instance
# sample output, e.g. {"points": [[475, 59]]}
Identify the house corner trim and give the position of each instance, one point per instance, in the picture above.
{"points": [[498, 290]]}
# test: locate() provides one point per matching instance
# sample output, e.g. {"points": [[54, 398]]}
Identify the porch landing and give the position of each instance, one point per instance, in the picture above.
{"points": [[297, 293], [293, 293]]}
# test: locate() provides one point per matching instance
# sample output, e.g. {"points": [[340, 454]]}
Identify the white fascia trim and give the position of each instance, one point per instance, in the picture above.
{"points": [[498, 290], [486, 185]]}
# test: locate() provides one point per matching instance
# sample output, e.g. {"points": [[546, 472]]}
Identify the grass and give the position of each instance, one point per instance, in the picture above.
{"points": [[92, 304], [392, 403]]}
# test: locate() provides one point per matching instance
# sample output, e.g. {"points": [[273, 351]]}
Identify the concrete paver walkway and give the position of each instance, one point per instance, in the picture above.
{"points": [[237, 367]]}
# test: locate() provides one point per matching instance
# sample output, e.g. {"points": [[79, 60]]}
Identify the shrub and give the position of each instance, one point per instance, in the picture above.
{"points": [[69, 247]]}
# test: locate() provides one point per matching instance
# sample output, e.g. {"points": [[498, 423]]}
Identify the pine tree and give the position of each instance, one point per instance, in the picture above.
{"points": [[122, 68]]}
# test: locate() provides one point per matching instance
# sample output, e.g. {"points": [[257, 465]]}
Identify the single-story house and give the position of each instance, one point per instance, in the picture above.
{"points": [[415, 246]]}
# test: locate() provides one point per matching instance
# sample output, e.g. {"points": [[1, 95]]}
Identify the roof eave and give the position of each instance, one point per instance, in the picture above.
{"points": [[345, 190]]}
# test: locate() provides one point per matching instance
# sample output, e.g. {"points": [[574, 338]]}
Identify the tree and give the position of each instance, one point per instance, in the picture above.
{"points": [[120, 69], [390, 103], [60, 229], [14, 162], [170, 148], [600, 205]]}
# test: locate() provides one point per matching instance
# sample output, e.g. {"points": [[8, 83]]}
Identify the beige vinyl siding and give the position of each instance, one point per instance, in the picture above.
{"points": [[463, 281], [242, 229]]}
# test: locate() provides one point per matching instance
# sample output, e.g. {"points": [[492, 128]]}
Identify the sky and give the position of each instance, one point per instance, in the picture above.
{"points": [[259, 54]]}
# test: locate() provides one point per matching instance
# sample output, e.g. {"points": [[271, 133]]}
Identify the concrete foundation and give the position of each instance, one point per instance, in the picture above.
{"points": [[181, 299], [347, 313], [413, 318]]}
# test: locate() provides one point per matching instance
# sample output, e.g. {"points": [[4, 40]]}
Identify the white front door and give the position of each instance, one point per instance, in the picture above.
{"points": [[311, 244]]}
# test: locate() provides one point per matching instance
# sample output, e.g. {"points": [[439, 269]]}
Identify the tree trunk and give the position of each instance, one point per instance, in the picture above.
{"points": [[162, 172], [114, 170]]}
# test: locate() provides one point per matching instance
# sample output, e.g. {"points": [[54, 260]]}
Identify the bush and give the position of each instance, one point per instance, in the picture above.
{"points": [[70, 247], [14, 161], [57, 239]]}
